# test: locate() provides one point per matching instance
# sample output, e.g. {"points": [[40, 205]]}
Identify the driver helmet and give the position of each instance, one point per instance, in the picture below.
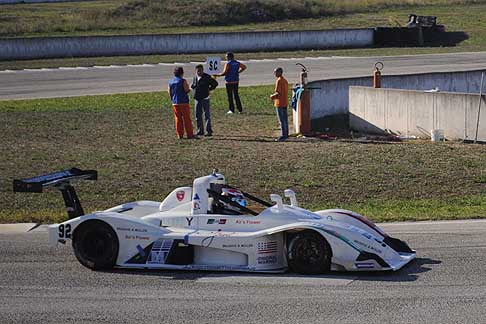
{"points": [[235, 195]]}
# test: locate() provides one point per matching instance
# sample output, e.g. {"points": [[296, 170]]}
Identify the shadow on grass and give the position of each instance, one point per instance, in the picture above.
{"points": [[407, 274], [232, 138]]}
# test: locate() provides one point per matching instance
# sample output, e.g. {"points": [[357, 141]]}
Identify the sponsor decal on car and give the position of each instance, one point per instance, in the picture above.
{"points": [[368, 246], [365, 265], [180, 195], [137, 237], [189, 220], [218, 267], [126, 229], [221, 221], [141, 250], [247, 222], [160, 251], [237, 245], [196, 202], [269, 259], [267, 247]]}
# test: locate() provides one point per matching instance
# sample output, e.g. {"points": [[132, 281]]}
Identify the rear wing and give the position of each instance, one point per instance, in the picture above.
{"points": [[60, 180], [57, 179]]}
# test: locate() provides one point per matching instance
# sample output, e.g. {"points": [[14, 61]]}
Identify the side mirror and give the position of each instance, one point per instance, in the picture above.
{"points": [[289, 193], [277, 199]]}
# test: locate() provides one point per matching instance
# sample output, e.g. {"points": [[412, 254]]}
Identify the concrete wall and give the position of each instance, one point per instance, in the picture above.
{"points": [[416, 113], [29, 48], [332, 97]]}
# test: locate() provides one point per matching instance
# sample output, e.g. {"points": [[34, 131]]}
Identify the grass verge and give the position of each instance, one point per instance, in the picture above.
{"points": [[130, 140], [467, 16], [110, 17]]}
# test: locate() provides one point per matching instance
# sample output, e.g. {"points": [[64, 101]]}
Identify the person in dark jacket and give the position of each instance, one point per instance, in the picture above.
{"points": [[203, 84]]}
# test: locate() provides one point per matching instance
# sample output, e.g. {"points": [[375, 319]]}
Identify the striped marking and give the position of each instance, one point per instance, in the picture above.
{"points": [[267, 247]]}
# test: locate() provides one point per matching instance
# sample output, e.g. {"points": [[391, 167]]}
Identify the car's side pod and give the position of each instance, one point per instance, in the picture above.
{"points": [[60, 180]]}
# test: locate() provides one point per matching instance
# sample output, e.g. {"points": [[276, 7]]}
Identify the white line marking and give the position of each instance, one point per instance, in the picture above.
{"points": [[16, 228], [102, 67]]}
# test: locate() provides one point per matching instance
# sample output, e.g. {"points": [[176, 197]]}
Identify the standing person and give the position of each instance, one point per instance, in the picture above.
{"points": [[202, 84], [178, 89], [231, 73], [281, 100]]}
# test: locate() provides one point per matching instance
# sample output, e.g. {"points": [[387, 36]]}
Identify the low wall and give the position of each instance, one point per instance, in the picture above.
{"points": [[408, 112], [331, 97], [51, 47]]}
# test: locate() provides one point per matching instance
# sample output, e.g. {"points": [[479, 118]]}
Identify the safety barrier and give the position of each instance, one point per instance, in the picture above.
{"points": [[51, 47], [416, 113], [331, 96]]}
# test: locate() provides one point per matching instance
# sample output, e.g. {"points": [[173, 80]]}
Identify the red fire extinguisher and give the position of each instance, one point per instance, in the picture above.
{"points": [[377, 75]]}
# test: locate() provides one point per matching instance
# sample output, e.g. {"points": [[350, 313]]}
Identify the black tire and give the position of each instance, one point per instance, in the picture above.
{"points": [[95, 245], [309, 253]]}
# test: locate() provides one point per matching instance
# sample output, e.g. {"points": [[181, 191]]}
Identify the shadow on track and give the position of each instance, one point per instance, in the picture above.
{"points": [[407, 274]]}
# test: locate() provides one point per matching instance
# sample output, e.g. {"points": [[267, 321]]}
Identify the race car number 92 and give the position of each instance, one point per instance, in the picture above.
{"points": [[65, 231]]}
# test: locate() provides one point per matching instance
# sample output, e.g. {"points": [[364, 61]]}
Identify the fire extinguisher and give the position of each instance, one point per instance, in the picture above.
{"points": [[377, 75], [303, 74]]}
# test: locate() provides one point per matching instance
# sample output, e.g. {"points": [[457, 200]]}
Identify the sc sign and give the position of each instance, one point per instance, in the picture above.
{"points": [[213, 65]]}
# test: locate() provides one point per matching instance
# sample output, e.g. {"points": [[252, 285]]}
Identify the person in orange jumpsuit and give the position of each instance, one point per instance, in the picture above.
{"points": [[280, 99], [178, 90]]}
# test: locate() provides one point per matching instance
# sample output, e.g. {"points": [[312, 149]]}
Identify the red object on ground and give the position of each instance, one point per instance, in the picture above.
{"points": [[304, 112]]}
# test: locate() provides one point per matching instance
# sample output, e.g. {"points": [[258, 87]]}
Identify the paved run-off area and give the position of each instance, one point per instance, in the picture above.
{"points": [[446, 284]]}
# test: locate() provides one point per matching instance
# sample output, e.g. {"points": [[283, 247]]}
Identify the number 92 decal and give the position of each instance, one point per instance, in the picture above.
{"points": [[65, 231]]}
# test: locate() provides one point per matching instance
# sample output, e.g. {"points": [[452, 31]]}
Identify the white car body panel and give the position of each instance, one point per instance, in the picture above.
{"points": [[149, 231]]}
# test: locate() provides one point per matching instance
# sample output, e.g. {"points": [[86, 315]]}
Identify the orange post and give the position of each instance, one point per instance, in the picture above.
{"points": [[377, 79], [303, 107], [303, 122]]}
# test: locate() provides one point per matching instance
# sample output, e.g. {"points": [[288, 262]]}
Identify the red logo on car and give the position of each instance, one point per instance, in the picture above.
{"points": [[180, 195]]}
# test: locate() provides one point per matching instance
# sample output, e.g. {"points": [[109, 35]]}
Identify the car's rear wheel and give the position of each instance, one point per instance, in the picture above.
{"points": [[95, 245], [309, 253]]}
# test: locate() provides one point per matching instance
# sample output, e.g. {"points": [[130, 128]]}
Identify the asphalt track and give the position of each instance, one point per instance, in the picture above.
{"points": [[65, 82], [446, 284]]}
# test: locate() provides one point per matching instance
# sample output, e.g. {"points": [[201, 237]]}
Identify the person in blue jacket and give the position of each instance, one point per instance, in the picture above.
{"points": [[231, 73], [178, 89]]}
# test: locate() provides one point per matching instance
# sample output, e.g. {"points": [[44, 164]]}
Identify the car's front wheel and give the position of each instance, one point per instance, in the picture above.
{"points": [[95, 245], [309, 253]]}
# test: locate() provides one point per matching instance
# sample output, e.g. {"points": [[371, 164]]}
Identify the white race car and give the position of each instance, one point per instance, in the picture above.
{"points": [[213, 226]]}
